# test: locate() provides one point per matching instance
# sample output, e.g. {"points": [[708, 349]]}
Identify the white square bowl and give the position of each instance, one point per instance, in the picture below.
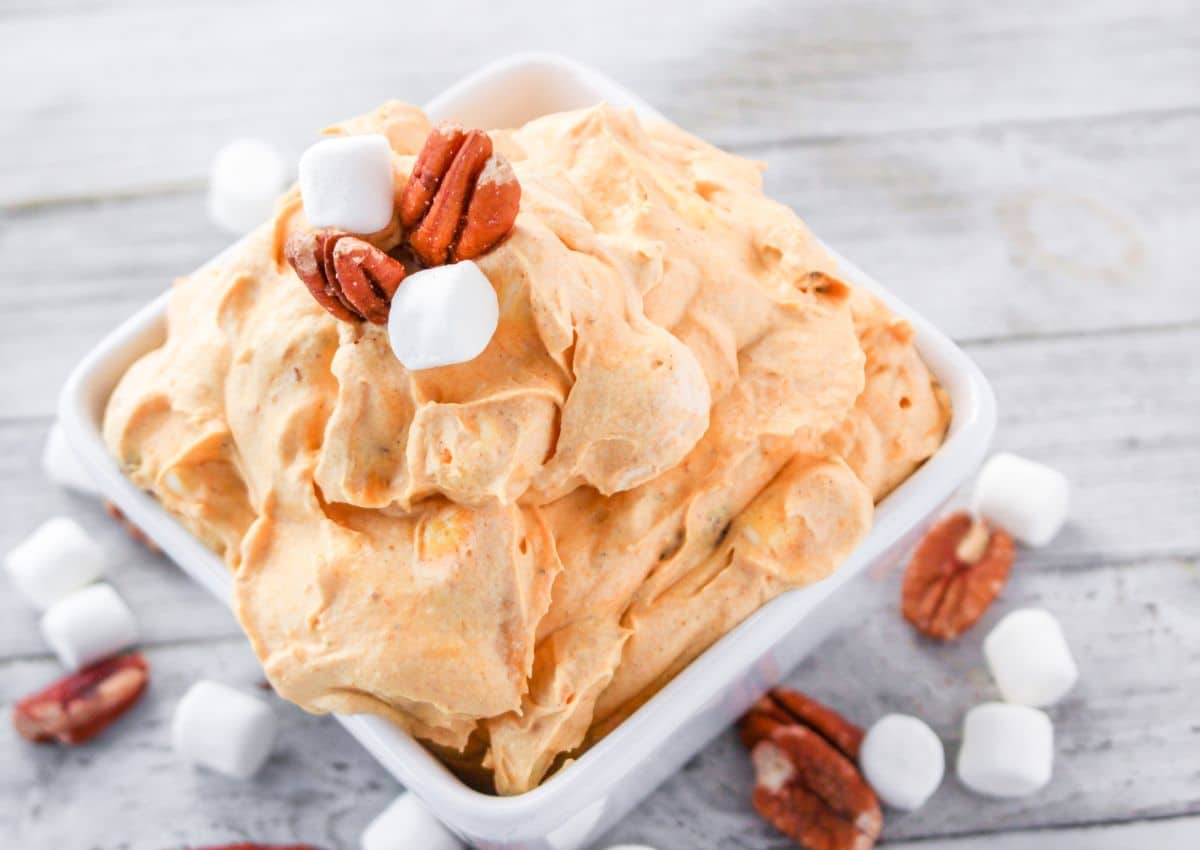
{"points": [[583, 800]]}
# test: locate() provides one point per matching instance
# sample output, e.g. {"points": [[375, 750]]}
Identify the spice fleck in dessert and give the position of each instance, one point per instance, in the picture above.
{"points": [[682, 413]]}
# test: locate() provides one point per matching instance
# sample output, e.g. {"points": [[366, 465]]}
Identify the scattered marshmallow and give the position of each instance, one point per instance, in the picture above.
{"points": [[903, 760], [347, 183], [442, 316], [55, 561], [1029, 658], [407, 825], [245, 178], [61, 465], [1007, 750], [223, 729], [1027, 499], [88, 626]]}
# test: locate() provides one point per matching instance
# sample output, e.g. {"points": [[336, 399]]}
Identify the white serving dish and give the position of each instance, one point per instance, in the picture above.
{"points": [[582, 801]]}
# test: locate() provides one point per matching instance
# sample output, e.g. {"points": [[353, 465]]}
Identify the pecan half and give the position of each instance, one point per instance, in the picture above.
{"points": [[78, 707], [782, 707], [956, 572], [461, 199], [349, 277], [131, 529], [812, 793]]}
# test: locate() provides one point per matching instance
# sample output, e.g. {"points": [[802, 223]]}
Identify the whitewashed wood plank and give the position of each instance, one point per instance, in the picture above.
{"points": [[1126, 738], [1118, 414], [120, 97], [128, 791], [168, 605], [993, 233], [76, 272], [1172, 833], [989, 234]]}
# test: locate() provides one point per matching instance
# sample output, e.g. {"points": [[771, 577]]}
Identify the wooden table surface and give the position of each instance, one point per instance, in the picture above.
{"points": [[1027, 174]]}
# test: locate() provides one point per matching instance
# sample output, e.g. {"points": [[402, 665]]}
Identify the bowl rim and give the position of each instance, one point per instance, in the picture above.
{"points": [[85, 392]]}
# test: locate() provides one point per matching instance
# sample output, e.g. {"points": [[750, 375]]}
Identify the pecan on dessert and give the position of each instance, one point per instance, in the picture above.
{"points": [[78, 707], [956, 572], [349, 277], [461, 199]]}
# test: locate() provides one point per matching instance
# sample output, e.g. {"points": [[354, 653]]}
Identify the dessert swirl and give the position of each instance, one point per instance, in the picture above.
{"points": [[682, 414]]}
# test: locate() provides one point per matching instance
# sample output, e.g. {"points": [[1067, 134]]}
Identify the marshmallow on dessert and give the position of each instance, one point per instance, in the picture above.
{"points": [[1029, 658], [443, 316], [244, 179], [407, 825], [62, 466], [53, 562], [1007, 750], [88, 626], [903, 760], [223, 729], [347, 183], [1027, 499]]}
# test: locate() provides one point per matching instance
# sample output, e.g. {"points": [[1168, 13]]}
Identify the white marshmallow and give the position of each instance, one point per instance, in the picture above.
{"points": [[244, 180], [407, 825], [88, 626], [347, 183], [903, 760], [1029, 658], [62, 466], [1029, 500], [1007, 750], [442, 316], [223, 729], [631, 847], [55, 561]]}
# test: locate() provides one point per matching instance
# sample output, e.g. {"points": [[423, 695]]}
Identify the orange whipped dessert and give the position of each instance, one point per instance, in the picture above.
{"points": [[682, 414]]}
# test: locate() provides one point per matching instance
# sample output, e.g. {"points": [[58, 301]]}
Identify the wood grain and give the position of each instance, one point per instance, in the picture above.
{"points": [[1022, 173], [991, 235], [1126, 623], [178, 79], [130, 790]]}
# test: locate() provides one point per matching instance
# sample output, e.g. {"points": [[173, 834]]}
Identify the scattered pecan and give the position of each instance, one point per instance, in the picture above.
{"points": [[349, 277], [461, 199], [131, 529], [957, 570], [78, 707], [782, 707], [812, 793]]}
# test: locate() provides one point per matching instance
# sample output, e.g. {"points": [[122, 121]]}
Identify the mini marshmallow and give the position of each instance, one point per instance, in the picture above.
{"points": [[88, 626], [55, 561], [1028, 500], [62, 466], [347, 183], [244, 180], [1007, 750], [223, 729], [407, 825], [903, 760], [442, 316], [1029, 658]]}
